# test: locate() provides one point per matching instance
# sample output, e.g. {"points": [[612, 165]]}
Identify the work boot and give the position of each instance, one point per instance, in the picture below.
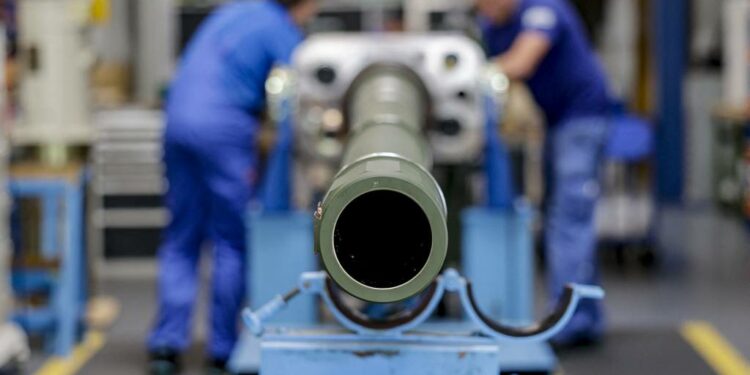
{"points": [[216, 367], [164, 362]]}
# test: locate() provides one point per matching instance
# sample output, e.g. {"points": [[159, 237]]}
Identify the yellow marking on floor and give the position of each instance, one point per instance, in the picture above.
{"points": [[91, 345], [715, 349]]}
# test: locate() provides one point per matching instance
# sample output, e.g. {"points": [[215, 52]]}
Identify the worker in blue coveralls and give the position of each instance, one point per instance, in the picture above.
{"points": [[543, 43], [213, 110]]}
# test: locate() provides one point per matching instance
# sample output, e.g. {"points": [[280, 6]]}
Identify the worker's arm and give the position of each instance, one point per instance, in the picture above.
{"points": [[540, 30], [528, 50]]}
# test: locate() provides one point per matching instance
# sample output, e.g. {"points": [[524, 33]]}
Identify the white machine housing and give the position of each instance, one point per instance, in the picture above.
{"points": [[450, 65], [55, 79]]}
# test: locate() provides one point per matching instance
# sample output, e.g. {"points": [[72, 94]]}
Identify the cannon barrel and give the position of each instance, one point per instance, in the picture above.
{"points": [[381, 228]]}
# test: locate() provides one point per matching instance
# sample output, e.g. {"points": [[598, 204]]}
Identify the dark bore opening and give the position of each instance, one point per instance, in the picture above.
{"points": [[382, 239]]}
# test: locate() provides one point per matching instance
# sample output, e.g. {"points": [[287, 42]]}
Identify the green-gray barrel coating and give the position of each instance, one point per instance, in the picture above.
{"points": [[381, 229]]}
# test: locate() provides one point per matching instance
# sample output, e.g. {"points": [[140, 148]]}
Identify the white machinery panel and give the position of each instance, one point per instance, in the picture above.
{"points": [[56, 62], [449, 65]]}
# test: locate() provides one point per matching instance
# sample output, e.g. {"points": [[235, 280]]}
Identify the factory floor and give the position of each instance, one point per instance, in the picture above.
{"points": [[691, 315]]}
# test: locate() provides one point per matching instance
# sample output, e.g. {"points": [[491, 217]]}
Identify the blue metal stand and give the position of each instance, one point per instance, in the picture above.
{"points": [[279, 243], [398, 348], [278, 252], [498, 258], [330, 354], [61, 319]]}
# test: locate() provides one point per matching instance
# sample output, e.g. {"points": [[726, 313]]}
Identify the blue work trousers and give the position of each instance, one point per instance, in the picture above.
{"points": [[575, 159], [210, 173]]}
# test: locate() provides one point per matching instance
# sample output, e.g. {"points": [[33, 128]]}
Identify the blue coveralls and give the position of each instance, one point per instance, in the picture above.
{"points": [[212, 122], [570, 87]]}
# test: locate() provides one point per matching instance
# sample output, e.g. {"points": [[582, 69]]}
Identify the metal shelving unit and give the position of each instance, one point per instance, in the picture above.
{"points": [[127, 183]]}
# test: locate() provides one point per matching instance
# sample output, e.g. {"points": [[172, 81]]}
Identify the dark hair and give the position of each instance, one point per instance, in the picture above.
{"points": [[290, 3]]}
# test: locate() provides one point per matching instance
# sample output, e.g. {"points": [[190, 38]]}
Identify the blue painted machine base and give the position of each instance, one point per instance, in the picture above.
{"points": [[339, 354], [324, 350]]}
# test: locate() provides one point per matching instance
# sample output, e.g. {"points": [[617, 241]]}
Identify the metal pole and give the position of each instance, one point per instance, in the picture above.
{"points": [[671, 26]]}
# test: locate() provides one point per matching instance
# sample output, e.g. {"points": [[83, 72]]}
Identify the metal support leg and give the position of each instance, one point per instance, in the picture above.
{"points": [[68, 298]]}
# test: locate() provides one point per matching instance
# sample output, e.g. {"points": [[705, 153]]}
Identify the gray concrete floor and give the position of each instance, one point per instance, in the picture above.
{"points": [[704, 275]]}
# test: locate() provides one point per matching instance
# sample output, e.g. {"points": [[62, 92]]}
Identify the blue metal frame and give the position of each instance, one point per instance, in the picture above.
{"points": [[497, 257], [61, 319], [326, 353], [440, 348], [278, 252]]}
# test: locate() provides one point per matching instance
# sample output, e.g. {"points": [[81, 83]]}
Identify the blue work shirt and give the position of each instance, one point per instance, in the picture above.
{"points": [[221, 78], [569, 82]]}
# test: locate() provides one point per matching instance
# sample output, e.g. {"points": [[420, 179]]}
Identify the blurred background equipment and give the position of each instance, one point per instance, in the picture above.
{"points": [[127, 213], [48, 133], [50, 277], [438, 15], [56, 59], [14, 349], [626, 212], [731, 134], [155, 50], [394, 16], [736, 15], [354, 15]]}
